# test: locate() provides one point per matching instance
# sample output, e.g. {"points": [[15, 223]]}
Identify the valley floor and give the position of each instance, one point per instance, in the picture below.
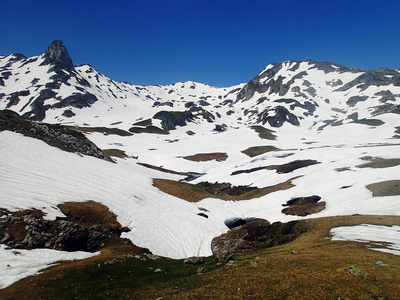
{"points": [[312, 266]]}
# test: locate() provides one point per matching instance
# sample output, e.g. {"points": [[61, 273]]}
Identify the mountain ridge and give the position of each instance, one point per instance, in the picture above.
{"points": [[290, 92]]}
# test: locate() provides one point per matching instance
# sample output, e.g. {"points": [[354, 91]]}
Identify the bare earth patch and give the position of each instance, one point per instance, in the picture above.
{"points": [[90, 213], [285, 168], [219, 156], [197, 192], [148, 129], [161, 169], [305, 209], [257, 150], [264, 133], [115, 153], [385, 188], [381, 163], [103, 130]]}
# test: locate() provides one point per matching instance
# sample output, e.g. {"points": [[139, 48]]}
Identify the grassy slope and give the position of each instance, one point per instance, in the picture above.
{"points": [[318, 270], [194, 193]]}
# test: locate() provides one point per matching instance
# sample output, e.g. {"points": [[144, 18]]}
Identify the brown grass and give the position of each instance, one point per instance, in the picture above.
{"points": [[149, 129], [103, 130], [285, 168], [264, 133], [219, 156], [317, 271], [257, 150], [385, 188], [304, 209], [115, 153], [194, 193], [90, 213], [161, 169]]}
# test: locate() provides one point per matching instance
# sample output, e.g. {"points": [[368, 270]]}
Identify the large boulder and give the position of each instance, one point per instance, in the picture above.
{"points": [[255, 235]]}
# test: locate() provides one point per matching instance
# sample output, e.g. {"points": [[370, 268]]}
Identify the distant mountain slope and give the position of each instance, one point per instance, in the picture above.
{"points": [[302, 93]]}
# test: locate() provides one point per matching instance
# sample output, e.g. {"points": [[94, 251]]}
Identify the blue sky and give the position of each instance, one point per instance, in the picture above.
{"points": [[217, 42]]}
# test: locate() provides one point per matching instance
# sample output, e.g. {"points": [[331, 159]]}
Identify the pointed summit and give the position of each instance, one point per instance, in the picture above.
{"points": [[56, 54]]}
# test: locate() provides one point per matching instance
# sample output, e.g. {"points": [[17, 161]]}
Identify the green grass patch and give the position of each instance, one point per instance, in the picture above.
{"points": [[121, 278]]}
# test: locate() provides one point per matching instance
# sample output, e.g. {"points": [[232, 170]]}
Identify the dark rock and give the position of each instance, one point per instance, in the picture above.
{"points": [[254, 235], [54, 135], [235, 222], [385, 96], [171, 119], [223, 256], [310, 107], [328, 67], [77, 100], [194, 260], [57, 54], [189, 104], [68, 113], [281, 115], [157, 103], [6, 238], [13, 98], [59, 234], [355, 99], [356, 271], [304, 206], [201, 270], [376, 78], [303, 200], [220, 128], [203, 103]]}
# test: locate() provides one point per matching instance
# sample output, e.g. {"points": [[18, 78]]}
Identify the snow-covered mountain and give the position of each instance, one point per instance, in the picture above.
{"points": [[307, 93], [298, 128]]}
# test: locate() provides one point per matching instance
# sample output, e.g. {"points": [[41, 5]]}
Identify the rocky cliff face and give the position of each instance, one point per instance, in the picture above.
{"points": [[58, 56]]}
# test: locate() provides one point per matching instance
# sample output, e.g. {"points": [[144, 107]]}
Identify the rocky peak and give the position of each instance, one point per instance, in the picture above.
{"points": [[56, 54]]}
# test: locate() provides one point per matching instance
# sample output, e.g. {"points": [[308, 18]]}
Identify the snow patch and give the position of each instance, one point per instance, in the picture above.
{"points": [[388, 237]]}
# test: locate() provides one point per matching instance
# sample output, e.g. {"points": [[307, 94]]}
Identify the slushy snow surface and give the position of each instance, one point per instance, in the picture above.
{"points": [[386, 236]]}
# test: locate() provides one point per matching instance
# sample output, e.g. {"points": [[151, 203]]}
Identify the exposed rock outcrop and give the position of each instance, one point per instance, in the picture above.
{"points": [[54, 135], [57, 54], [88, 226], [303, 206], [171, 119], [256, 234]]}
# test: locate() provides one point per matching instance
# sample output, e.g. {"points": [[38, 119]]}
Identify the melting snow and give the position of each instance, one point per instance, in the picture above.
{"points": [[386, 236], [18, 264]]}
